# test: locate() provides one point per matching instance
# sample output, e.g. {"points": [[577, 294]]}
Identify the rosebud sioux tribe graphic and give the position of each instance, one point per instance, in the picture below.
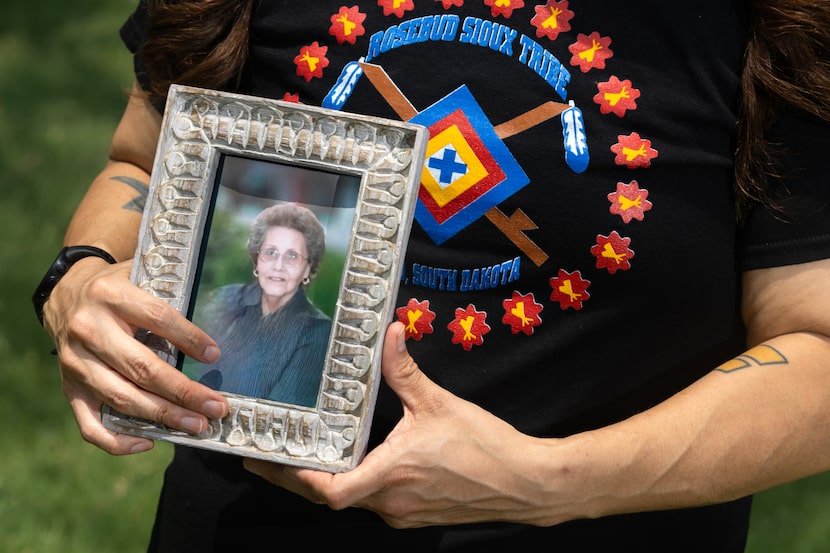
{"points": [[468, 170]]}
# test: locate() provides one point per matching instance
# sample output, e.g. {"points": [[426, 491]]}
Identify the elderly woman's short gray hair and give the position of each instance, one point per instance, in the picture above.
{"points": [[293, 216]]}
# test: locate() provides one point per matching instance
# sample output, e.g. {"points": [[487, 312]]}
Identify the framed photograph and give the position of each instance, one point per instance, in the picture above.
{"points": [[280, 229]]}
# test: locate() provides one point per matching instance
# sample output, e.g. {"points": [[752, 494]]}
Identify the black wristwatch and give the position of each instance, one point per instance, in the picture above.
{"points": [[67, 257]]}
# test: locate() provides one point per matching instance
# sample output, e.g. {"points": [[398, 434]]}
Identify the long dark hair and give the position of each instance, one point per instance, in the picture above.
{"points": [[205, 43], [200, 43], [786, 66]]}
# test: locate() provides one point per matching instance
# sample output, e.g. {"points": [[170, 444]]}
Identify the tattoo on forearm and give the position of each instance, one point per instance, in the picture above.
{"points": [[136, 204], [759, 356]]}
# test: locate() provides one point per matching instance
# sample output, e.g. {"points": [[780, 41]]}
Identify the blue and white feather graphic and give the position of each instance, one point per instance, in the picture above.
{"points": [[576, 142], [344, 86]]}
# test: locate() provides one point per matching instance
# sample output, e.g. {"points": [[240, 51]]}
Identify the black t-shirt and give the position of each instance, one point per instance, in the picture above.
{"points": [[575, 257]]}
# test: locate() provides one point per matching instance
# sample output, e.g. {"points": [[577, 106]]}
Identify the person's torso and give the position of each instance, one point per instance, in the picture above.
{"points": [[565, 268], [559, 259]]}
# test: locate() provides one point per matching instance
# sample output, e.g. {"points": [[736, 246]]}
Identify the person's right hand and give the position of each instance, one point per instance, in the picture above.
{"points": [[92, 316]]}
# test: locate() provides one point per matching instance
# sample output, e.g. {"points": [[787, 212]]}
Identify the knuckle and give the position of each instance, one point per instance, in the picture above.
{"points": [[120, 401], [69, 366], [335, 501], [163, 415], [140, 371], [99, 287], [87, 434], [90, 436], [104, 290], [184, 395], [159, 314], [81, 324]]}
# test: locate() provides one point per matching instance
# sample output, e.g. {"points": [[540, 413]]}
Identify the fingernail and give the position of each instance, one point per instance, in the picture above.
{"points": [[192, 424], [141, 447], [401, 340], [213, 409], [211, 354]]}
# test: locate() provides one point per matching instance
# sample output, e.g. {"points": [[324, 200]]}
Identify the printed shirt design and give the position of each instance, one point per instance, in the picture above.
{"points": [[469, 170]]}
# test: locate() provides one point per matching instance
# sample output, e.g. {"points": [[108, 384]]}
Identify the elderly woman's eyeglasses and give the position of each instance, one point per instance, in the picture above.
{"points": [[291, 258]]}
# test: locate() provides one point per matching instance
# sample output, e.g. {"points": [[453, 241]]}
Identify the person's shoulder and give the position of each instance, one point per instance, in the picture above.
{"points": [[318, 326], [232, 293], [318, 314], [316, 319]]}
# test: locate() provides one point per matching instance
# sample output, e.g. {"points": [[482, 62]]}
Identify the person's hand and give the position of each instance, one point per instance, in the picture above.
{"points": [[92, 316], [446, 462]]}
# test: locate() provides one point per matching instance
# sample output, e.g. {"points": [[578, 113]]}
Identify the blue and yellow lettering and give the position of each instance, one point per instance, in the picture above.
{"points": [[422, 29], [439, 279], [514, 270], [465, 280], [391, 39], [557, 75], [495, 36], [468, 29], [425, 28], [375, 42], [509, 35], [537, 59], [484, 278], [404, 32], [426, 273], [526, 43], [546, 65], [449, 24], [484, 33], [452, 281], [561, 84], [475, 280], [436, 29], [494, 276], [434, 277], [505, 271], [484, 282]]}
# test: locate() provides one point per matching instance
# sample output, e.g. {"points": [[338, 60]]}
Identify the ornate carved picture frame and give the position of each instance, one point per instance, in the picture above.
{"points": [[380, 161]]}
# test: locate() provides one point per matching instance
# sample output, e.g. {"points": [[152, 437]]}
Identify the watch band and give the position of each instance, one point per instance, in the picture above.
{"points": [[67, 257]]}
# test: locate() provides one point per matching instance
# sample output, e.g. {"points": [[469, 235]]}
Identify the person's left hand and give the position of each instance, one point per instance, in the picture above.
{"points": [[446, 462]]}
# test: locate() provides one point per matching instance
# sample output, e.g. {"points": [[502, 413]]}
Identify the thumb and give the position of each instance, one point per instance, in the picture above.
{"points": [[400, 371]]}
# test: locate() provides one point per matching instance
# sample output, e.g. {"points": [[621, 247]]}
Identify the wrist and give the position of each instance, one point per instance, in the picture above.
{"points": [[64, 261], [608, 462], [593, 474], [625, 468], [563, 479]]}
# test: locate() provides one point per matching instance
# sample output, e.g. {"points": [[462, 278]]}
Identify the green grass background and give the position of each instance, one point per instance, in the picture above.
{"points": [[63, 73]]}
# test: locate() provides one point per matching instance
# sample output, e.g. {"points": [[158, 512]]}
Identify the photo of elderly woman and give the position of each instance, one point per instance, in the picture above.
{"points": [[273, 337]]}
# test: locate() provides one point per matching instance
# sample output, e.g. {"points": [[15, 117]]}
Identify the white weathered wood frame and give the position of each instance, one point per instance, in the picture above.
{"points": [[199, 126]]}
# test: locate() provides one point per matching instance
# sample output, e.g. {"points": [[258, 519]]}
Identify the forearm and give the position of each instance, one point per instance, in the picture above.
{"points": [[735, 432], [447, 461], [110, 213], [755, 422]]}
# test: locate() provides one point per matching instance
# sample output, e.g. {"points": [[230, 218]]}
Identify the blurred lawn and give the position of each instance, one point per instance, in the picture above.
{"points": [[63, 73]]}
